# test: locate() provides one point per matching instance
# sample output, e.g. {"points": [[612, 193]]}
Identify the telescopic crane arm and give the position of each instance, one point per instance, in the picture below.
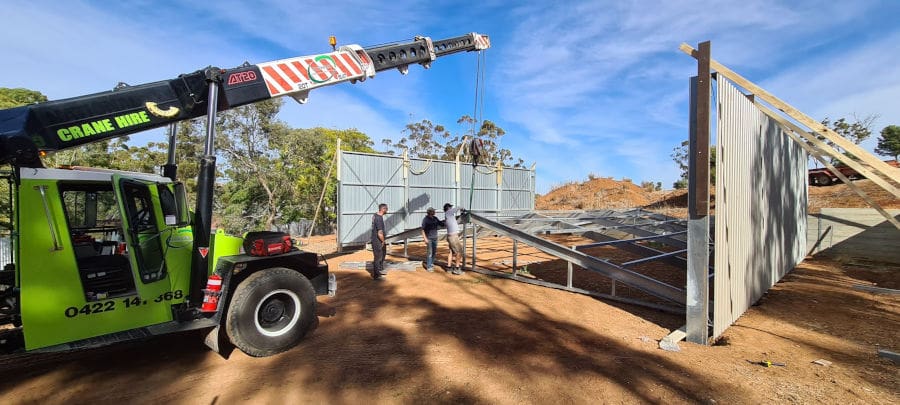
{"points": [[62, 124]]}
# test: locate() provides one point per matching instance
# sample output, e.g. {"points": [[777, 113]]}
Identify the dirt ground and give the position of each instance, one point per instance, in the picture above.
{"points": [[436, 338], [842, 196]]}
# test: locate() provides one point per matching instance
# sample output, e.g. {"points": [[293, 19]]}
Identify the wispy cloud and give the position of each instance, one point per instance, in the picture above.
{"points": [[861, 79], [607, 76], [335, 108], [581, 87], [81, 48], [62, 62]]}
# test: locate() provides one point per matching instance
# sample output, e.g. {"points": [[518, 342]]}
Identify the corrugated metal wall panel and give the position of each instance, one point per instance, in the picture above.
{"points": [[433, 173], [485, 177], [761, 197], [371, 169], [368, 179], [485, 200], [515, 200]]}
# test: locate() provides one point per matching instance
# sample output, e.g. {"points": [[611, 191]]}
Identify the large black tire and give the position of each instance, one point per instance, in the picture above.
{"points": [[271, 311]]}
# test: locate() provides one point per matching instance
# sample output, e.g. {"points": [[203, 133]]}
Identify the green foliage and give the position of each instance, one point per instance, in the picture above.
{"points": [[254, 180], [651, 186], [310, 155], [10, 98], [889, 142], [680, 184], [427, 140], [273, 174], [113, 154], [190, 141], [857, 131], [680, 157], [423, 140]]}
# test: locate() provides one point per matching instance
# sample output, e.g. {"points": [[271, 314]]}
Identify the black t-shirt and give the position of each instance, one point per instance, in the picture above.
{"points": [[377, 225], [430, 225]]}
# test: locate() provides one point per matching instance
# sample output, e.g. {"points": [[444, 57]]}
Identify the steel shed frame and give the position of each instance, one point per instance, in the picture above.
{"points": [[760, 210]]}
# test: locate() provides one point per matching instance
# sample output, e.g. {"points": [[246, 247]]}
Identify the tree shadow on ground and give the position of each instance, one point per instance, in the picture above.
{"points": [[358, 356]]}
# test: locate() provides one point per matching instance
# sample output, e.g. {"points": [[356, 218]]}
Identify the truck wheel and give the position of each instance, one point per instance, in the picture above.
{"points": [[271, 311], [823, 179]]}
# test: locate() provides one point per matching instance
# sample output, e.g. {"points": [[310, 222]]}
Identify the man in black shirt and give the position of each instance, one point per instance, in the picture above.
{"points": [[379, 248], [430, 225]]}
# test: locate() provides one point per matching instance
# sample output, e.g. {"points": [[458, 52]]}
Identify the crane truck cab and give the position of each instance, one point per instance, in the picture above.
{"points": [[103, 256]]}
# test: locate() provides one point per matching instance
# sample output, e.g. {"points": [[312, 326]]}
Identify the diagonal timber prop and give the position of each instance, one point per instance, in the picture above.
{"points": [[877, 165], [813, 148]]}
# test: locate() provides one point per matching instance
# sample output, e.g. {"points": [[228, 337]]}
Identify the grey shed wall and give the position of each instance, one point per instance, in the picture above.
{"points": [[854, 234], [410, 186], [761, 198]]}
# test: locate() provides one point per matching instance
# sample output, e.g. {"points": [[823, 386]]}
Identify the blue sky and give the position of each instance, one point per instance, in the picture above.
{"points": [[580, 87]]}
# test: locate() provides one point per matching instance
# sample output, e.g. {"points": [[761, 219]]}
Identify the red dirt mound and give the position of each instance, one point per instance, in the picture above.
{"points": [[597, 193], [607, 193]]}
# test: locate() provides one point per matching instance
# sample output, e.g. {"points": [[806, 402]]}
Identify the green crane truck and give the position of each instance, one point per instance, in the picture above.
{"points": [[102, 256]]}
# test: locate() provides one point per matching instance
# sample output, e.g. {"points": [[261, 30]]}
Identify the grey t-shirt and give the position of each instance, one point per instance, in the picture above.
{"points": [[450, 219]]}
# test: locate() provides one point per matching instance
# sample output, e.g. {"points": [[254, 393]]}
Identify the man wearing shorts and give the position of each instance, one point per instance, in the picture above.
{"points": [[456, 249]]}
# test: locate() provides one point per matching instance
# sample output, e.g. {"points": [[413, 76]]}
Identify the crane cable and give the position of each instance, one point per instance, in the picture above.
{"points": [[478, 113]]}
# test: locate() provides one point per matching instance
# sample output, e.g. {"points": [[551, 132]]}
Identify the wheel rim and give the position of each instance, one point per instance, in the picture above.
{"points": [[277, 312]]}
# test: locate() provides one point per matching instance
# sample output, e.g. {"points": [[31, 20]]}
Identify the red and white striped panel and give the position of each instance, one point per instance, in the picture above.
{"points": [[301, 74], [482, 41]]}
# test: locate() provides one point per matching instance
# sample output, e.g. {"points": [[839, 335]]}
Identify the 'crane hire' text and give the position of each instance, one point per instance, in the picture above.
{"points": [[102, 126]]}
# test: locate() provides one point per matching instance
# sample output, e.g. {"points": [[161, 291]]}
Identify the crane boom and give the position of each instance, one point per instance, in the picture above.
{"points": [[62, 124]]}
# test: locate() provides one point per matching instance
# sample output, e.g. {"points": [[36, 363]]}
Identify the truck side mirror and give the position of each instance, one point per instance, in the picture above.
{"points": [[174, 205]]}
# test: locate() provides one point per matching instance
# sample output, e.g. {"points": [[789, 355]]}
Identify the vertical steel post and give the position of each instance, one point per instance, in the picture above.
{"points": [[569, 272], [697, 291], [338, 209], [463, 236], [405, 212], [474, 244], [515, 257]]}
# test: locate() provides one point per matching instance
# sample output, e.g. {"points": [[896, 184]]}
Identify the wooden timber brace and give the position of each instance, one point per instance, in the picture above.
{"points": [[871, 167]]}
